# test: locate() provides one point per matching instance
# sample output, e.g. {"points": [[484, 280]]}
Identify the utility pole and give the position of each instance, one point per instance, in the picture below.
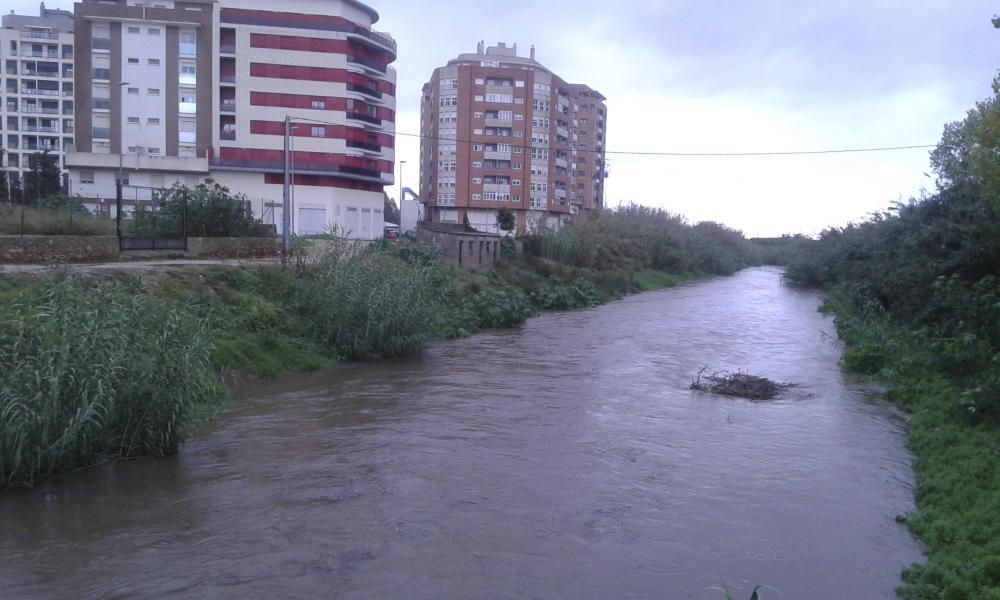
{"points": [[286, 214], [400, 217]]}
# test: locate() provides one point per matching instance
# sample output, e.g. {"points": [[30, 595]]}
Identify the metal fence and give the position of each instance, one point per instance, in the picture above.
{"points": [[72, 218]]}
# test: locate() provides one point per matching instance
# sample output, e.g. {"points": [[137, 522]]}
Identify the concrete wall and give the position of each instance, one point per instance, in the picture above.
{"points": [[469, 251], [86, 249]]}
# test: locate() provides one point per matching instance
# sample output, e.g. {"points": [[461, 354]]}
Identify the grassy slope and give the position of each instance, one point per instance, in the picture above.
{"points": [[956, 461]]}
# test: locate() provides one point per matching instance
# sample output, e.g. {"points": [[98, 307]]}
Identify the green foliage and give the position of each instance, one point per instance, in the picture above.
{"points": [[4, 189], [211, 209], [506, 220], [66, 220], [655, 280], [390, 211], [498, 307], [43, 179], [566, 296], [89, 370], [635, 238], [916, 295]]}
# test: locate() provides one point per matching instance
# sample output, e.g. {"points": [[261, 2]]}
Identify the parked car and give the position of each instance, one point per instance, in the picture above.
{"points": [[391, 233]]}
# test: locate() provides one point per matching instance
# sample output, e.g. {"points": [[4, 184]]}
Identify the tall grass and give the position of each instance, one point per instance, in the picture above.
{"points": [[635, 238], [91, 370], [52, 221]]}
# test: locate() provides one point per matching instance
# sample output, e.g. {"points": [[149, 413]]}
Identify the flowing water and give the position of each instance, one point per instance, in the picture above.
{"points": [[567, 459]]}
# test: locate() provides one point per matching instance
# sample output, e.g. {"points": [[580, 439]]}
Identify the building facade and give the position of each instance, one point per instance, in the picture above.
{"points": [[36, 111], [500, 130], [180, 91]]}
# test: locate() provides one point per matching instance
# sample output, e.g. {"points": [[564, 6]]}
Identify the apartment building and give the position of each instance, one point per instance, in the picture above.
{"points": [[179, 91], [500, 130], [36, 98]]}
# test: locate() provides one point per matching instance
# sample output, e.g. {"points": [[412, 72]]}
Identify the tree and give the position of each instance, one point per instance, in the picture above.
{"points": [[16, 192], [506, 220], [391, 211], [212, 211], [43, 180]]}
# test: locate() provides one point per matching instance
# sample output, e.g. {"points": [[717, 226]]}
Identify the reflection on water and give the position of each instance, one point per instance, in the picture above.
{"points": [[564, 460]]}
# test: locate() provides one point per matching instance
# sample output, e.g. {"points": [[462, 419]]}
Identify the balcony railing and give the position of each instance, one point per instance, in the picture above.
{"points": [[53, 74], [352, 87], [227, 48], [227, 78], [102, 74], [227, 106], [38, 92], [40, 35], [364, 146], [102, 103], [102, 133], [36, 54], [363, 117], [101, 44], [40, 110], [364, 62], [227, 134], [41, 129], [298, 167], [41, 147]]}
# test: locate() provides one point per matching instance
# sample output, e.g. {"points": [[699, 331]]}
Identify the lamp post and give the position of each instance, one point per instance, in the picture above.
{"points": [[400, 218], [286, 223]]}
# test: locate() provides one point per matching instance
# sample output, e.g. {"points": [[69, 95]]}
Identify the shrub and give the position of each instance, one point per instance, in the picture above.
{"points": [[498, 307], [89, 370]]}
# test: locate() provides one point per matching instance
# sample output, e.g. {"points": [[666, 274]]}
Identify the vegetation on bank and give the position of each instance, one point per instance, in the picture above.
{"points": [[104, 367], [916, 296]]}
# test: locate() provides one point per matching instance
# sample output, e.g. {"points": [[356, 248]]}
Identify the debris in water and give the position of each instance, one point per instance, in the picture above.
{"points": [[739, 384]]}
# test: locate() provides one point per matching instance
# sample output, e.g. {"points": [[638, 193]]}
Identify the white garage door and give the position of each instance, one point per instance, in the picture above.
{"points": [[312, 221]]}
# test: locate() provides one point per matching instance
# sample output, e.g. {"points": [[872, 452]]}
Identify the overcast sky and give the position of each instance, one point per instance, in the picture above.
{"points": [[720, 76]]}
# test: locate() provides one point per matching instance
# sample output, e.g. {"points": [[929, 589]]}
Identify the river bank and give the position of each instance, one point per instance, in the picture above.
{"points": [[121, 364], [564, 458]]}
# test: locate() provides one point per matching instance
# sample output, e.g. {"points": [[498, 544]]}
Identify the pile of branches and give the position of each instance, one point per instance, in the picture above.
{"points": [[739, 384]]}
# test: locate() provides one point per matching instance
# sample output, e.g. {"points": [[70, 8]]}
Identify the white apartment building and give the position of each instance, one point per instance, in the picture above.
{"points": [[36, 98]]}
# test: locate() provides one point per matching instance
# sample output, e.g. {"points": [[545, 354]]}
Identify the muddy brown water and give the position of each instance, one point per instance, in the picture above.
{"points": [[567, 459]]}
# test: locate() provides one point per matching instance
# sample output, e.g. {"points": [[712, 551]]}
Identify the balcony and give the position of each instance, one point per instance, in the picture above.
{"points": [[27, 108], [494, 155], [508, 123], [366, 63], [351, 87], [227, 106], [37, 54], [364, 146], [49, 74], [102, 103], [448, 202], [40, 128], [104, 74], [561, 162], [101, 44], [102, 133], [227, 48], [227, 78], [498, 188], [40, 35], [227, 134], [42, 147], [356, 116], [38, 92]]}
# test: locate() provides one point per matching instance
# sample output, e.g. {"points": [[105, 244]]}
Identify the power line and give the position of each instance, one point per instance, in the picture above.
{"points": [[663, 153]]}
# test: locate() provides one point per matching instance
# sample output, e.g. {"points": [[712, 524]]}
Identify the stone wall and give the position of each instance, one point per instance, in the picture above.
{"points": [[57, 248], [469, 250], [101, 248]]}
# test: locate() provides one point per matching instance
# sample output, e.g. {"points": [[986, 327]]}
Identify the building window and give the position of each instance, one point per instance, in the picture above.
{"points": [[134, 30], [133, 61], [477, 196], [477, 165], [477, 180], [480, 81], [153, 91], [133, 120], [86, 177], [154, 62], [153, 150], [153, 121], [319, 104], [318, 131], [477, 148], [153, 31], [133, 90]]}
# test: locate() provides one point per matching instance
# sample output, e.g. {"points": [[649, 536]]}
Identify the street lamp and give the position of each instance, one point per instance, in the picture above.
{"points": [[400, 217]]}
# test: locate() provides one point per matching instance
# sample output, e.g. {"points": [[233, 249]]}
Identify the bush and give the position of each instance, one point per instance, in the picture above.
{"points": [[566, 296], [496, 308], [91, 370]]}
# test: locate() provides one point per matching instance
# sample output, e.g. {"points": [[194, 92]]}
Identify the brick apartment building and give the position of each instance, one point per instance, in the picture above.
{"points": [[500, 130], [177, 91], [36, 100]]}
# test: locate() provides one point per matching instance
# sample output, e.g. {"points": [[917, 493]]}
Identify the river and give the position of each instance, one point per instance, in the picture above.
{"points": [[567, 459]]}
